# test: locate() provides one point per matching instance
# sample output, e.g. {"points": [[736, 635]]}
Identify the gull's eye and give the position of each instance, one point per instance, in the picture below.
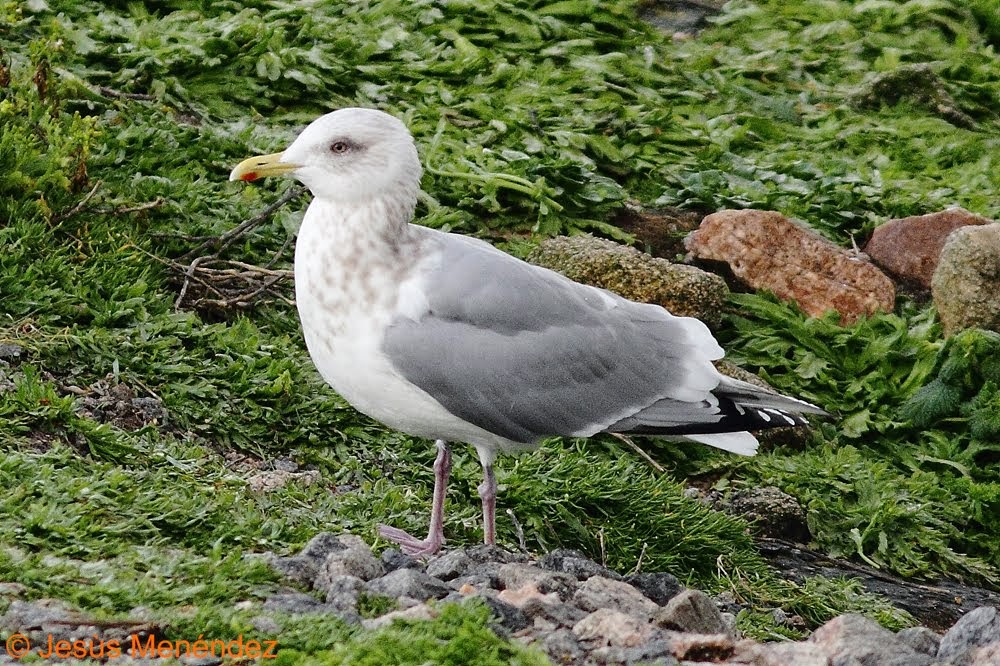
{"points": [[339, 147]]}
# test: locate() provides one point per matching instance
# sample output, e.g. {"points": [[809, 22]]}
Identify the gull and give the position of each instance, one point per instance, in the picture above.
{"points": [[447, 338]]}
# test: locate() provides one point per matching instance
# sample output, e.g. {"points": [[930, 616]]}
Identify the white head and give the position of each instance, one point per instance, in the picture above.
{"points": [[348, 155]]}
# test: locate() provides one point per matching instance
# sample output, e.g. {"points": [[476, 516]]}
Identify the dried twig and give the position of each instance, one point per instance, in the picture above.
{"points": [[80, 205], [635, 447]]}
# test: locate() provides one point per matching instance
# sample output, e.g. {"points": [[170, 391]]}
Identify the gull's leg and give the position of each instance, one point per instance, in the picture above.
{"points": [[488, 493], [435, 534]]}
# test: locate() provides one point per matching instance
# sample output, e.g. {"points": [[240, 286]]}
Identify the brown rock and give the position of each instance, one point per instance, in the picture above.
{"points": [[779, 654], [685, 291], [766, 250], [908, 248], [966, 283], [611, 627], [701, 647], [659, 231]]}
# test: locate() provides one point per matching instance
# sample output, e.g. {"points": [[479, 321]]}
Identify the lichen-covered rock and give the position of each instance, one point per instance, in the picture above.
{"points": [[766, 250], [683, 290], [966, 283], [659, 231], [908, 248], [917, 84], [864, 640], [977, 629], [771, 513], [692, 611]]}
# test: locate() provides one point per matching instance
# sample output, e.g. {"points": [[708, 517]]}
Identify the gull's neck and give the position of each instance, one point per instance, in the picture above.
{"points": [[350, 256]]}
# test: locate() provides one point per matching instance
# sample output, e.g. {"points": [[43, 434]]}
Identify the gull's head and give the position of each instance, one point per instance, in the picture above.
{"points": [[349, 154]]}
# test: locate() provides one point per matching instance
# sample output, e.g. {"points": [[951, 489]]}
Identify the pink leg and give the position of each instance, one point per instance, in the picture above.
{"points": [[488, 493], [435, 534]]}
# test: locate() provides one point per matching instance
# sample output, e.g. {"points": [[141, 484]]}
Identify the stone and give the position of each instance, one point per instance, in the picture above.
{"points": [[420, 612], [986, 655], [610, 627], [908, 248], [516, 575], [779, 654], [652, 653], [658, 586], [553, 612], [701, 647], [354, 558], [11, 353], [267, 481], [528, 592], [966, 282], [510, 618], [485, 553], [916, 84], [393, 559], [683, 290], [864, 640], [691, 611], [294, 603], [303, 567], [600, 592], [562, 647], [450, 565], [408, 583], [920, 639], [575, 563], [659, 231], [342, 592], [766, 250], [771, 513], [977, 628], [265, 624]]}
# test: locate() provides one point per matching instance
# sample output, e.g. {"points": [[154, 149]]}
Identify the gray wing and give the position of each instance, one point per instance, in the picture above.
{"points": [[526, 353]]}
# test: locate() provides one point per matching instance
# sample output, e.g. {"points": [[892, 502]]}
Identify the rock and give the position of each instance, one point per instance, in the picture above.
{"points": [[576, 564], [652, 653], [265, 624], [553, 612], [484, 553], [916, 84], [294, 603], [516, 575], [509, 617], [600, 592], [908, 248], [766, 250], [920, 639], [779, 654], [692, 611], [659, 231], [393, 559], [611, 627], [519, 597], [986, 655], [966, 283], [661, 587], [450, 565], [683, 290], [866, 641], [976, 629], [354, 558], [701, 647], [408, 583], [420, 612], [771, 513], [303, 567], [342, 592], [562, 647], [11, 353], [270, 480]]}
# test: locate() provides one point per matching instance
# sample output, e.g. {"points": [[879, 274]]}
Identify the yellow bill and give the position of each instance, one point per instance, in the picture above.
{"points": [[260, 166]]}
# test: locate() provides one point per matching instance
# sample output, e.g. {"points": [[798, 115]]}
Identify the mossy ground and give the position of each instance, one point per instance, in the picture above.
{"points": [[120, 121]]}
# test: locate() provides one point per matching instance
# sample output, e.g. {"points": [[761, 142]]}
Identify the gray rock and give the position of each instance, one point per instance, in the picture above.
{"points": [[303, 567], [652, 653], [509, 618], [266, 625], [780, 654], [408, 583], [600, 592], [486, 553], [354, 558], [294, 603], [559, 615], [661, 587], [515, 575], [342, 592], [692, 611], [921, 639], [771, 512], [575, 563], [476, 580], [966, 282], [11, 352], [978, 628], [866, 642], [562, 647], [393, 559], [450, 565]]}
